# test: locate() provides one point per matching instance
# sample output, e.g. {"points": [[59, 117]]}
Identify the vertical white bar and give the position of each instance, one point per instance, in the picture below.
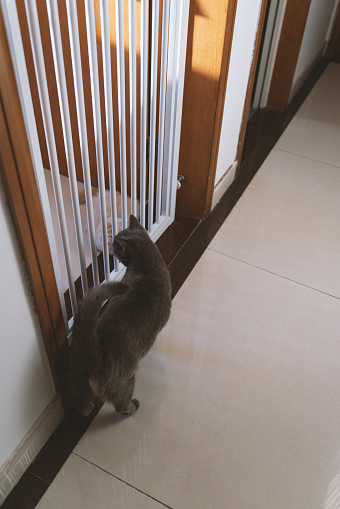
{"points": [[170, 108], [12, 28], [72, 20], [106, 51], [182, 37], [133, 103], [179, 14], [162, 97], [121, 106], [57, 49], [153, 108], [143, 104], [34, 29], [93, 62]]}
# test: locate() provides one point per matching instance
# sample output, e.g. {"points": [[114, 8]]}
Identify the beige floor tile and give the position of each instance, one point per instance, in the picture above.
{"points": [[288, 222], [314, 132], [80, 485], [240, 398]]}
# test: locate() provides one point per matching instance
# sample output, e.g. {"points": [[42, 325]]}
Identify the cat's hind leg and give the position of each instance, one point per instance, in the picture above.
{"points": [[122, 399], [83, 397]]}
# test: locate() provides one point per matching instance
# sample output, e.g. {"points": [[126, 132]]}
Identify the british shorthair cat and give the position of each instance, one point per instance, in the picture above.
{"points": [[109, 342]]}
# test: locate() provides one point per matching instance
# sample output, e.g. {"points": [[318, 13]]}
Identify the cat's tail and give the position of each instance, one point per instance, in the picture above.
{"points": [[85, 320], [84, 343], [90, 306], [85, 357]]}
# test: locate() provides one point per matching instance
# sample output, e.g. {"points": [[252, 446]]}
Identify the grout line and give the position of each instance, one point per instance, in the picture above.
{"points": [[305, 157], [274, 274], [121, 480]]}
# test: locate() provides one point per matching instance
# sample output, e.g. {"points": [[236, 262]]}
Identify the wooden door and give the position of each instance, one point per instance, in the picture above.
{"points": [[333, 47], [292, 31]]}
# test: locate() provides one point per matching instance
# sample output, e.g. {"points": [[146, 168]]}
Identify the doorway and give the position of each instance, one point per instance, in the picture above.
{"points": [[268, 49]]}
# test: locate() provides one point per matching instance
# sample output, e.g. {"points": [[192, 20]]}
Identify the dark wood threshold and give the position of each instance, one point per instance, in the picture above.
{"points": [[181, 246]]}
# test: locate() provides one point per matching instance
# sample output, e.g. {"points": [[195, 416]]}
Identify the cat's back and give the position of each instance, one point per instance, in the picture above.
{"points": [[150, 293], [146, 307], [140, 314], [132, 321]]}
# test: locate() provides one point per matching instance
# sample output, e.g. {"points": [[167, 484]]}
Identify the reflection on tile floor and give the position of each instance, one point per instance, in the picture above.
{"points": [[315, 130], [240, 396]]}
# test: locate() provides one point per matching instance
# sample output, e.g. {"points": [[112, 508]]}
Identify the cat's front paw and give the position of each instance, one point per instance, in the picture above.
{"points": [[136, 403], [132, 407]]}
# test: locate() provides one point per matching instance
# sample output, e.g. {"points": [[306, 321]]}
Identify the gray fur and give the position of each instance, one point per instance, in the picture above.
{"points": [[107, 347]]}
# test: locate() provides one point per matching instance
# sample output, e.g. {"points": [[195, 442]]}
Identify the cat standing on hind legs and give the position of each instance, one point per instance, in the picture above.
{"points": [[107, 347]]}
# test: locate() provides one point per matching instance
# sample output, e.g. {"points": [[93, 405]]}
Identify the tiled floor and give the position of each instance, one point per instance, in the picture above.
{"points": [[240, 396]]}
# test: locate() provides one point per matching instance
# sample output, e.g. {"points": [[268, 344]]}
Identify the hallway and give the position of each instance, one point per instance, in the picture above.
{"points": [[240, 395]]}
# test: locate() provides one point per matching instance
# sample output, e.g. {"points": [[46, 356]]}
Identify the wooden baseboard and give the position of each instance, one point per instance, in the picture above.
{"points": [[293, 28], [29, 447]]}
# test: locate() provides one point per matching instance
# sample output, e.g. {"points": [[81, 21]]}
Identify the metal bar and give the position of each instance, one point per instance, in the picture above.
{"points": [[162, 97], [133, 103], [143, 105], [72, 19], [106, 52], [153, 108], [170, 105], [181, 41], [95, 93], [121, 106], [33, 23], [57, 49]]}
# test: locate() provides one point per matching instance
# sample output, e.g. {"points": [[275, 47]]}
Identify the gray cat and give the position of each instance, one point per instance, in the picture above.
{"points": [[109, 341]]}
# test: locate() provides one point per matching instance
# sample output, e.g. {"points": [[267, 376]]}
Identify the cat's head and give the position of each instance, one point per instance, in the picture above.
{"points": [[130, 243]]}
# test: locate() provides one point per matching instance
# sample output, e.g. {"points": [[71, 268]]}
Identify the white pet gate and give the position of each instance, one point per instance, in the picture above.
{"points": [[149, 97]]}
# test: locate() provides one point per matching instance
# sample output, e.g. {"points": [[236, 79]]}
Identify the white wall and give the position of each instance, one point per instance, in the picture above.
{"points": [[315, 35], [26, 385], [246, 23]]}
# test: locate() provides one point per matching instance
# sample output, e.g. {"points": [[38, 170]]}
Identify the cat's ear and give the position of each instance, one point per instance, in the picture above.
{"points": [[120, 244], [134, 223], [120, 249]]}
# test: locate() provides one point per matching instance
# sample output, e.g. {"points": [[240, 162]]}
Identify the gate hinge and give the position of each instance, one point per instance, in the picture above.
{"points": [[180, 180]]}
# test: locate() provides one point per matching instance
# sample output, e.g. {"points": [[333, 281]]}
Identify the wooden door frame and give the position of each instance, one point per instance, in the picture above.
{"points": [[292, 31], [19, 178], [189, 164], [333, 45], [210, 34], [222, 87], [250, 86]]}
